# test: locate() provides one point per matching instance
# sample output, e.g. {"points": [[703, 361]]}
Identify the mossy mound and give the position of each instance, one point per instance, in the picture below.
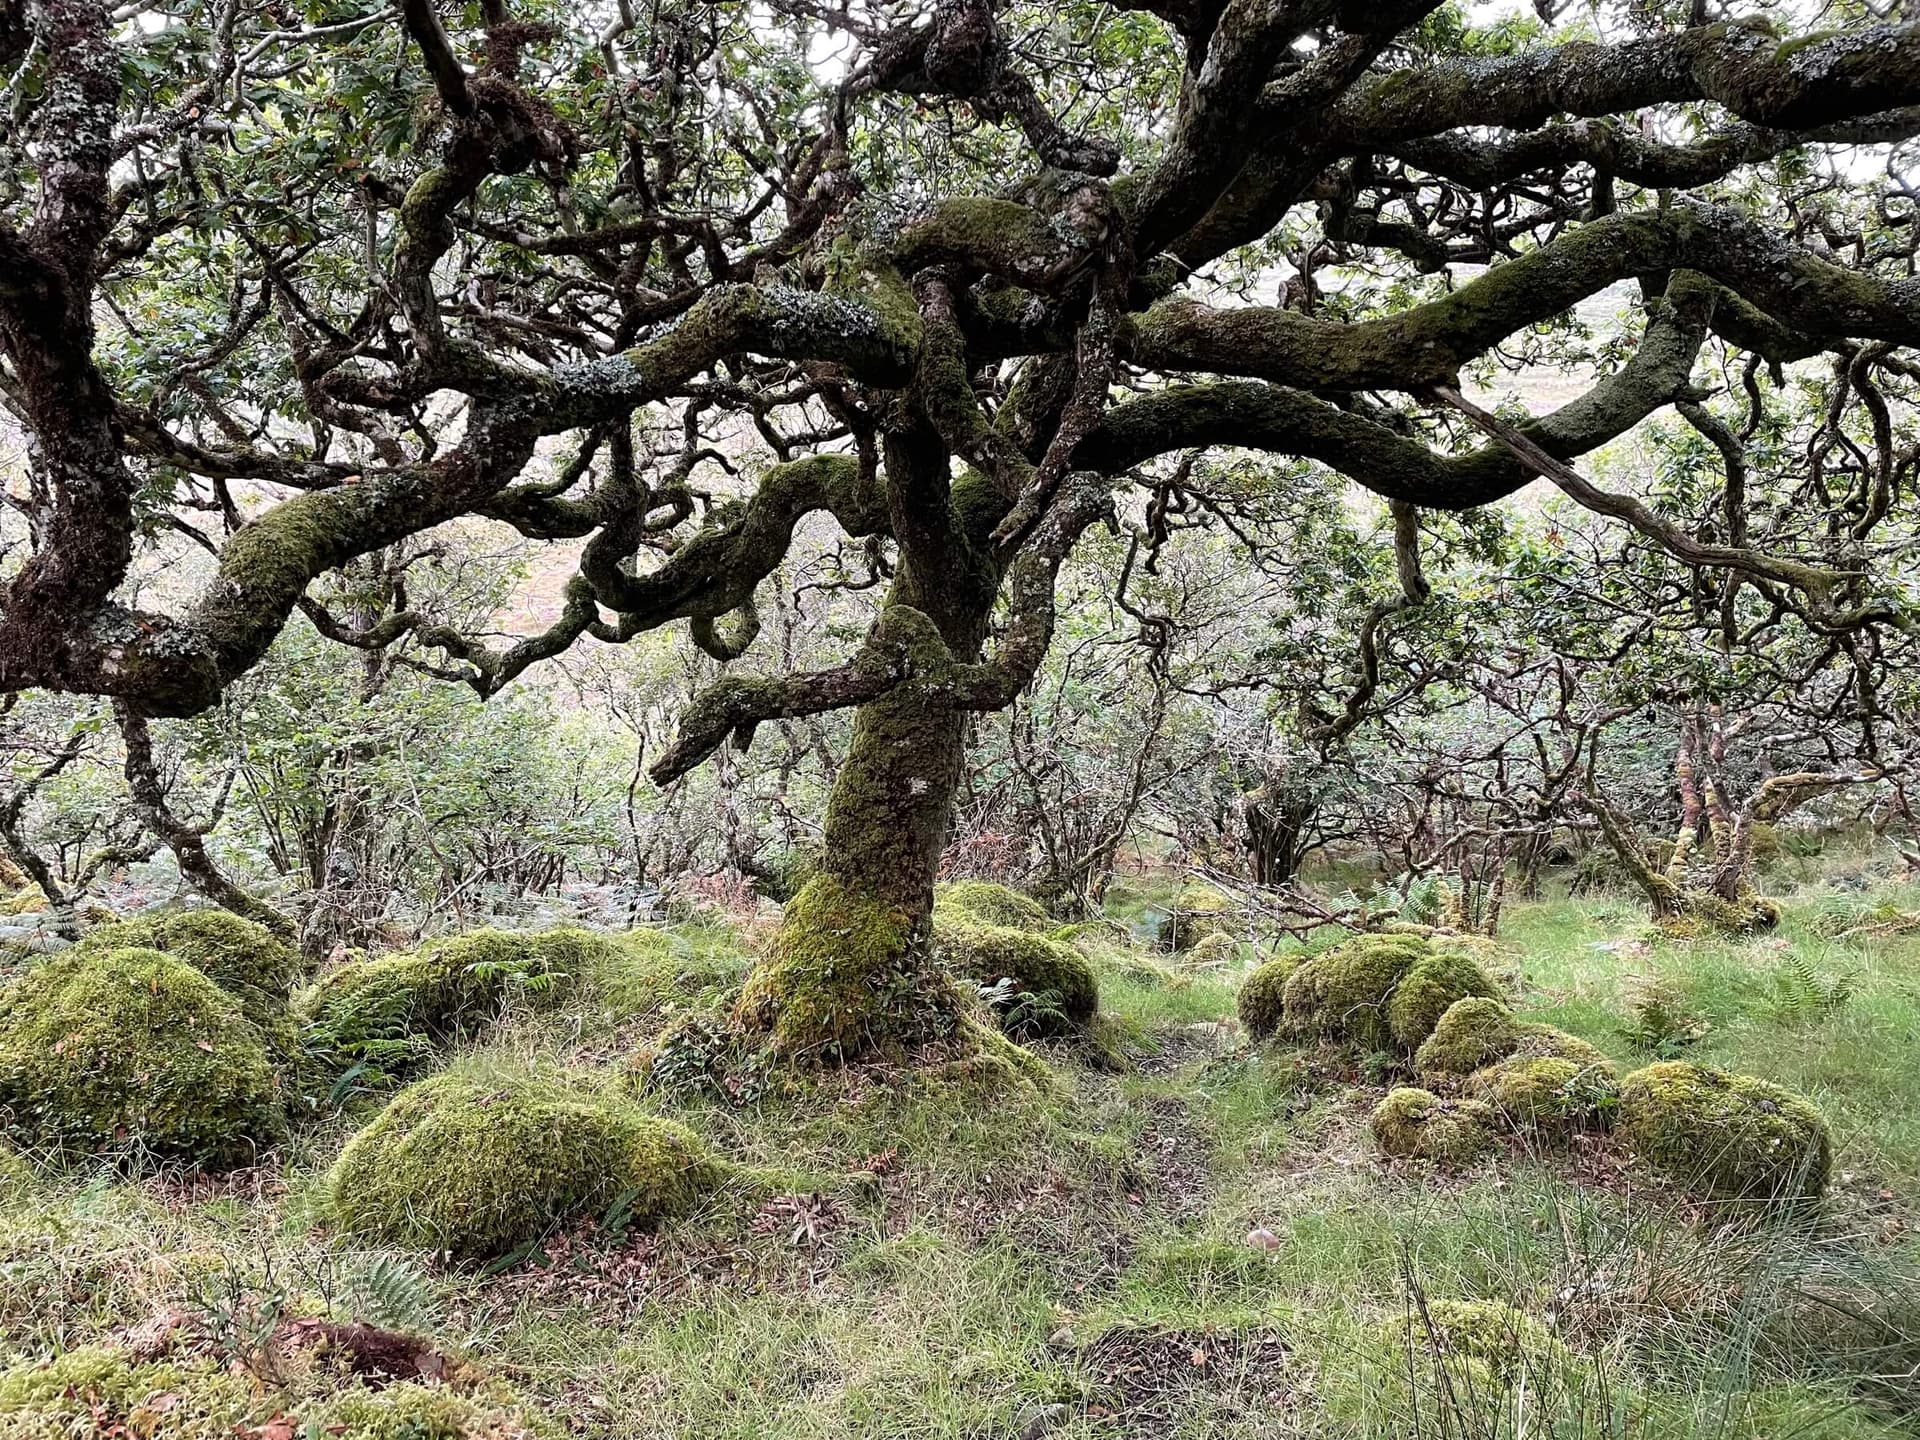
{"points": [[1262, 1003], [1198, 911], [98, 1391], [1705, 916], [388, 1015], [994, 904], [1216, 949], [243, 958], [1415, 1124], [16, 1174], [1380, 991], [1479, 1031], [116, 1051], [1547, 1093], [1035, 985], [1725, 1135], [28, 900], [1432, 984], [845, 976], [475, 1166], [1498, 1341]]}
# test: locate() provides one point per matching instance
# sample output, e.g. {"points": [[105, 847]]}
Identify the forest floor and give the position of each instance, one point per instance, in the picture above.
{"points": [[1188, 1237]]}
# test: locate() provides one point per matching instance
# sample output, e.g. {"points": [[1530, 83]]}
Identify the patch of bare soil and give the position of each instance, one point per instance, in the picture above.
{"points": [[1151, 1382]]}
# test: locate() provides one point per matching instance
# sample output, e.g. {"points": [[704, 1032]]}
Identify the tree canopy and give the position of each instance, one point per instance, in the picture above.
{"points": [[967, 280]]}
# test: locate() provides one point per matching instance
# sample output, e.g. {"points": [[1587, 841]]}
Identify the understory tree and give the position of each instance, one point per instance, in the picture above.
{"points": [[670, 287]]}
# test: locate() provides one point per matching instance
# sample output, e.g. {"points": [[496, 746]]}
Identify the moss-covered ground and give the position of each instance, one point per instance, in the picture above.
{"points": [[1185, 1235]]}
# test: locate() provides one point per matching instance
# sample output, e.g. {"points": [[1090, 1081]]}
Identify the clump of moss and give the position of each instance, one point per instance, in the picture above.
{"points": [[1480, 1031], [1418, 1125], [1498, 1340], [388, 1015], [994, 904], [1547, 1093], [1262, 1004], [1036, 986], [28, 900], [117, 1050], [1703, 915], [1198, 912], [1219, 948], [476, 1166], [240, 956], [1729, 1136], [847, 974], [96, 1390], [1432, 984], [1345, 992]]}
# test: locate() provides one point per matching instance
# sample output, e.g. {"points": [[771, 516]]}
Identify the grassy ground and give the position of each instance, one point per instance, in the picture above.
{"points": [[962, 1258]]}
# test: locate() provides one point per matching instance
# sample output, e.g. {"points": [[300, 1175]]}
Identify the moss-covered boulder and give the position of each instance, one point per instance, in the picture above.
{"points": [[1479, 1031], [1036, 985], [1197, 912], [388, 1015], [1262, 1002], [1724, 1135], [1434, 983], [1548, 1094], [476, 1165], [28, 900], [994, 904], [1213, 951], [1415, 1124], [243, 958], [133, 1051]]}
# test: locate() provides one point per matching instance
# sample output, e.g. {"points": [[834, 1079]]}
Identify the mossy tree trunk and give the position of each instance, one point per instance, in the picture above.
{"points": [[852, 970]]}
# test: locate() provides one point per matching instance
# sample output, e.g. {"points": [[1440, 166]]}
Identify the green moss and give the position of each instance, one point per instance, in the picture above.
{"points": [[1703, 916], [1429, 987], [844, 978], [1418, 1125], [1470, 1033], [1199, 911], [994, 904], [98, 1391], [241, 957], [1261, 1004], [388, 1015], [1477, 1032], [1344, 993], [117, 1050], [1510, 1345], [16, 1173], [1730, 1136], [477, 1166], [1036, 985], [1217, 949], [1547, 1093]]}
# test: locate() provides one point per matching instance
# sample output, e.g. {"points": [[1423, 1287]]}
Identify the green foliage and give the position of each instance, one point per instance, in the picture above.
{"points": [[134, 1052], [656, 975], [1662, 1021], [1418, 1125], [1729, 1136], [1803, 994], [1036, 985], [1198, 911], [479, 1165]]}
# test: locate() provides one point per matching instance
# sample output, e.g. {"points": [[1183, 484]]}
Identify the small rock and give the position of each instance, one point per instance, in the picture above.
{"points": [[1061, 1339], [1263, 1239], [1035, 1420]]}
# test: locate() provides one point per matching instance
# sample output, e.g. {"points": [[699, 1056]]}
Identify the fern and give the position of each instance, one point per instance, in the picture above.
{"points": [[1803, 993], [388, 1291]]}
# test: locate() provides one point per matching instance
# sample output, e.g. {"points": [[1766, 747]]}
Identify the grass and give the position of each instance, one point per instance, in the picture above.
{"points": [[958, 1257]]}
